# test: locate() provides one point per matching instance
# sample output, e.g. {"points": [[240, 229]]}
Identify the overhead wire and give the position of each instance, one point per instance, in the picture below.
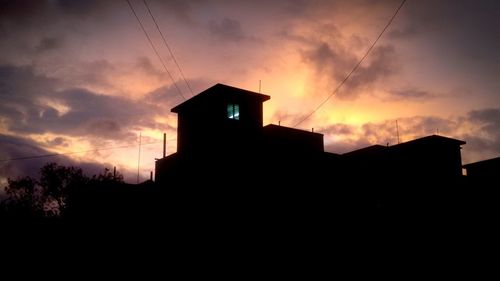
{"points": [[76, 152], [168, 46], [355, 67], [164, 66], [155, 50]]}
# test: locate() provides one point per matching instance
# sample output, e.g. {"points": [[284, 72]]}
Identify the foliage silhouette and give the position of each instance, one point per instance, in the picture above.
{"points": [[54, 194]]}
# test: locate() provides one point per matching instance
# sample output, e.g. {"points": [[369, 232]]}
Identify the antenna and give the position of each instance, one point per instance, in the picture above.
{"points": [[164, 144], [139, 157], [397, 130]]}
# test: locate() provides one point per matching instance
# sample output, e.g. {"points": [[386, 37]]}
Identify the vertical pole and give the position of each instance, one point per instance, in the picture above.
{"points": [[114, 172], [151, 176], [164, 145], [397, 130], [139, 157]]}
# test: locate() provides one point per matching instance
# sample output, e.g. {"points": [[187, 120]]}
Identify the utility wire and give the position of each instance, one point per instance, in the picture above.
{"points": [[75, 152], [355, 67], [168, 46], [154, 49]]}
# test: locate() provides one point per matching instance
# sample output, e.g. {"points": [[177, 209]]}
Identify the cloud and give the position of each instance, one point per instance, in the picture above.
{"points": [[16, 147], [349, 137], [95, 73], [489, 117], [80, 8], [461, 34], [227, 30], [49, 43], [479, 128], [339, 129], [380, 64], [181, 10], [58, 141], [144, 64], [287, 118], [31, 104], [409, 94], [485, 140], [406, 32], [21, 12], [333, 63]]}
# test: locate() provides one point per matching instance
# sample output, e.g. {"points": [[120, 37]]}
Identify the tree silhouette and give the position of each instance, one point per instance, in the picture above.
{"points": [[24, 199], [58, 183], [59, 190]]}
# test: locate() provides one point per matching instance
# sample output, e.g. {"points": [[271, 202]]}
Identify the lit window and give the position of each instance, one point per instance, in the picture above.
{"points": [[233, 111]]}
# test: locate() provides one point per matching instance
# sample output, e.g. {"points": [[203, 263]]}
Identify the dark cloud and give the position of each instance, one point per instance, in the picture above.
{"points": [[227, 30], [28, 9], [95, 73], [427, 125], [16, 147], [144, 64], [32, 105], [349, 137], [57, 141], [381, 63], [297, 7], [20, 82], [166, 96], [49, 43], [479, 128], [487, 139], [410, 94], [334, 62], [182, 10], [490, 118], [23, 11], [406, 32], [323, 57], [80, 8], [463, 33]]}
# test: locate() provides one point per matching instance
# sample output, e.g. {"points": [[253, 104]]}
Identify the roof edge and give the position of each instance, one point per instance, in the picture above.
{"points": [[260, 96]]}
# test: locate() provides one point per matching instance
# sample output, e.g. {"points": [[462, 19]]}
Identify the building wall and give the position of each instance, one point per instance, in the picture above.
{"points": [[206, 126]]}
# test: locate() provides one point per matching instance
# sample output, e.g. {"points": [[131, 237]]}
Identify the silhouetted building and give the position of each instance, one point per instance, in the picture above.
{"points": [[226, 156], [428, 159], [218, 118], [223, 125], [221, 137], [486, 170]]}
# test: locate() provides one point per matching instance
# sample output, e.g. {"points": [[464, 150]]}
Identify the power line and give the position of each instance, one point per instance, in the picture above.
{"points": [[355, 67], [154, 49], [76, 152], [168, 47]]}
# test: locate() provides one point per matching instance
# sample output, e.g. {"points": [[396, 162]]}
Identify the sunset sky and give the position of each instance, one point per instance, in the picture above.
{"points": [[80, 75]]}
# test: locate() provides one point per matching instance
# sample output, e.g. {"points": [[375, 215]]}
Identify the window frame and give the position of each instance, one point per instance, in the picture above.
{"points": [[233, 111]]}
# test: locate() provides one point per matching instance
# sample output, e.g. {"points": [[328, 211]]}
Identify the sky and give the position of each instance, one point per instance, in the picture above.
{"points": [[80, 78]]}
